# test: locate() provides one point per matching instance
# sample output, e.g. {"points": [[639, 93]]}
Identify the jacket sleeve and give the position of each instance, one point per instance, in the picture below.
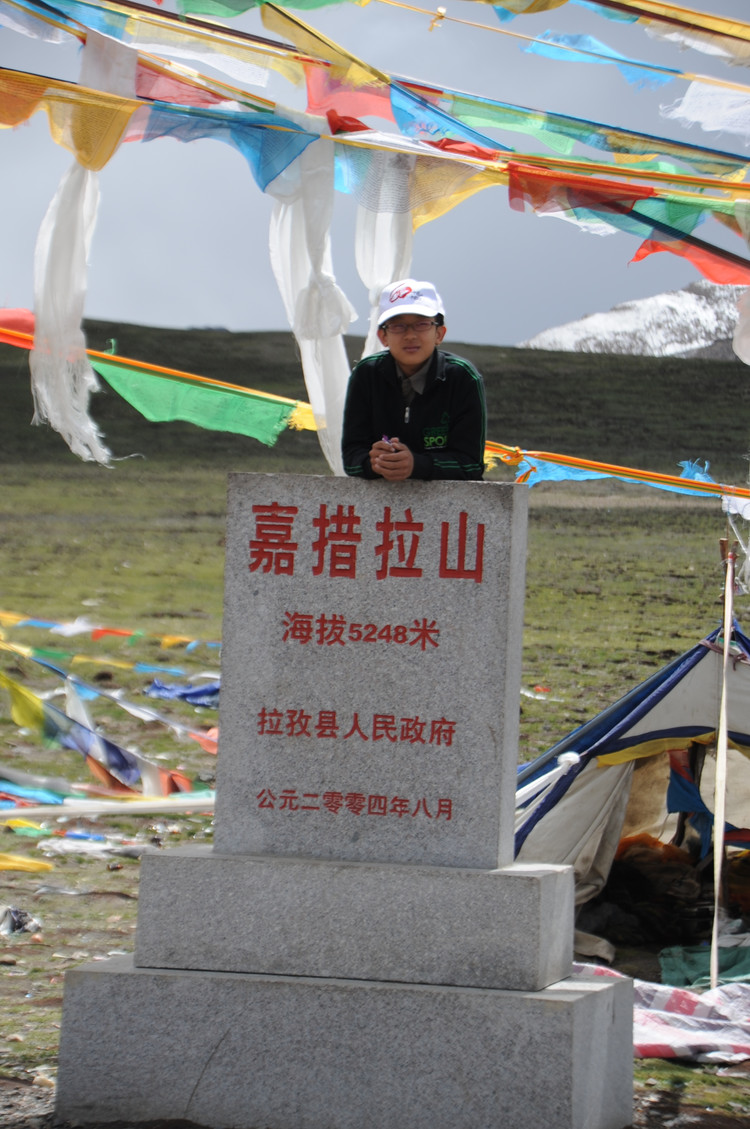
{"points": [[463, 456], [356, 435]]}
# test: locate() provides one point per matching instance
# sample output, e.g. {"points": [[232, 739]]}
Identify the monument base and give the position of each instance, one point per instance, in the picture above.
{"points": [[507, 928], [224, 1049]]}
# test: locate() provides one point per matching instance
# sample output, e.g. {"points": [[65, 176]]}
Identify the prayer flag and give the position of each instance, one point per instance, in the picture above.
{"points": [[586, 49], [717, 266], [548, 190], [164, 395]]}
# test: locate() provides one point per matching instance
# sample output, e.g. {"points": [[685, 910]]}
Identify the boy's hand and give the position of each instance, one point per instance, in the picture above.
{"points": [[391, 459]]}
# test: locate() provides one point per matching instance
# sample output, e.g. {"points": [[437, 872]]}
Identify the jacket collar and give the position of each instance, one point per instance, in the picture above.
{"points": [[435, 372]]}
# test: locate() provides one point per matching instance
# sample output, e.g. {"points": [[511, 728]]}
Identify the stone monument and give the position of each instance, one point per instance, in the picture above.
{"points": [[358, 950]]}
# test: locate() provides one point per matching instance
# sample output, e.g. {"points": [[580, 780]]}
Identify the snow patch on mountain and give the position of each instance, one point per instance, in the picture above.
{"points": [[669, 324]]}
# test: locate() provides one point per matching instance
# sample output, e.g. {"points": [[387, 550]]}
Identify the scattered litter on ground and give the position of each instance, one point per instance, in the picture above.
{"points": [[21, 862], [13, 920], [541, 693], [675, 1023], [92, 848]]}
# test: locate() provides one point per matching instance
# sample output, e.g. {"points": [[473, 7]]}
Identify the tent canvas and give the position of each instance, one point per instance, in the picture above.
{"points": [[627, 771]]}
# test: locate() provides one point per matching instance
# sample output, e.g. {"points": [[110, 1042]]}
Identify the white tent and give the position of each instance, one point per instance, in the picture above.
{"points": [[631, 769]]}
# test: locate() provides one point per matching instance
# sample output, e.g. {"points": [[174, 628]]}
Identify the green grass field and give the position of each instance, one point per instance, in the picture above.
{"points": [[619, 577], [619, 580]]}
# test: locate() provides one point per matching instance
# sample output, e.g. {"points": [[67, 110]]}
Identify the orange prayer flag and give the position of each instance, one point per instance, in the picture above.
{"points": [[721, 268]]}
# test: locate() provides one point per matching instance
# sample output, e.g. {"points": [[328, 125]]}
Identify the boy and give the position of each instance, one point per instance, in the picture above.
{"points": [[413, 411]]}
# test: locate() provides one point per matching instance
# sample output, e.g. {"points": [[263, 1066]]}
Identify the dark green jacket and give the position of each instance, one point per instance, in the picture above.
{"points": [[444, 427]]}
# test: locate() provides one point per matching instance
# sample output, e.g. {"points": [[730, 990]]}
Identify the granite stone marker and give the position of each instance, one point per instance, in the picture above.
{"points": [[358, 950], [370, 644]]}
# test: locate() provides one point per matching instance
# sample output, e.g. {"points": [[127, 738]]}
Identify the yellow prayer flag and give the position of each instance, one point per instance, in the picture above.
{"points": [[26, 709], [20, 862]]}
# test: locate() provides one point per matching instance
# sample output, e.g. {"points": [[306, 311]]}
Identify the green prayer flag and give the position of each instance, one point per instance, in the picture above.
{"points": [[228, 8], [162, 397], [221, 8]]}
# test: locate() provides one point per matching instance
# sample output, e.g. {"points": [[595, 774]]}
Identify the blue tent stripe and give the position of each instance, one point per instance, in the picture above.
{"points": [[607, 732], [593, 732]]}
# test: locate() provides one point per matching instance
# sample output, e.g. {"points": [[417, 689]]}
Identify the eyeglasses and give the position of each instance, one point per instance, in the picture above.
{"points": [[399, 329]]}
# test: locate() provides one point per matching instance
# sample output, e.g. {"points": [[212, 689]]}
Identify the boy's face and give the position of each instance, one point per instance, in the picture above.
{"points": [[411, 340]]}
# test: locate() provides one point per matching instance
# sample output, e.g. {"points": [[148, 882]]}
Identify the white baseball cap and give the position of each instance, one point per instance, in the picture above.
{"points": [[409, 297]]}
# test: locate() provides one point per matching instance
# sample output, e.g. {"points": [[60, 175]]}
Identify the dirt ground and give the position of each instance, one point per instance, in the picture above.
{"points": [[663, 1110], [26, 1106]]}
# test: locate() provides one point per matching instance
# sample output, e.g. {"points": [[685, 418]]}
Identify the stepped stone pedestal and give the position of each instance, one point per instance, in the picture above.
{"points": [[358, 949]]}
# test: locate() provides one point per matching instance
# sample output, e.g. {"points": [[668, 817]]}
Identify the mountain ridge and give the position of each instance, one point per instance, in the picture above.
{"points": [[697, 321]]}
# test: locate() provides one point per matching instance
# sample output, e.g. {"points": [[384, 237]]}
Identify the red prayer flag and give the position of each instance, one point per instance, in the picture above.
{"points": [[713, 265], [550, 190], [339, 124], [20, 321], [157, 86], [465, 148], [326, 93]]}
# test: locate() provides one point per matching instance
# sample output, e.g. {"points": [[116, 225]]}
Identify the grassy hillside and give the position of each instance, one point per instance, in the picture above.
{"points": [[636, 411], [619, 578]]}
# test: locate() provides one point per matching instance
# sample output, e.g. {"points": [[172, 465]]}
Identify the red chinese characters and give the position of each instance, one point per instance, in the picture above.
{"points": [[330, 629], [461, 570], [272, 549], [338, 538], [334, 538], [403, 536], [333, 802], [385, 727]]}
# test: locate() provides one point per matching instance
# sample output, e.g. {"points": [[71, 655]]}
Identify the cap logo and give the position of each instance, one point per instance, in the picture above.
{"points": [[399, 292]]}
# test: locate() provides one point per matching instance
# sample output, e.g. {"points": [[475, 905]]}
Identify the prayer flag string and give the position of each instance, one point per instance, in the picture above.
{"points": [[163, 394], [117, 768], [566, 467], [650, 12], [442, 130]]}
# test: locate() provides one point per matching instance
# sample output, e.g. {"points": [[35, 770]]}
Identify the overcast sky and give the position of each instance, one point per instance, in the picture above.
{"points": [[182, 232]]}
